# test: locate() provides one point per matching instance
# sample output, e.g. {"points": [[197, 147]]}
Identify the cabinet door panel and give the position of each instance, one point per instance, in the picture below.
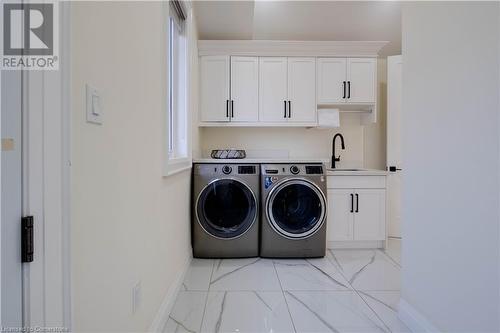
{"points": [[331, 73], [245, 88], [272, 89], [369, 218], [362, 78], [302, 89], [214, 78], [340, 218]]}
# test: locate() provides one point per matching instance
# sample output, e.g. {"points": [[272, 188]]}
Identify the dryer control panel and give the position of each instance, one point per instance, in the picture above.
{"points": [[290, 169]]}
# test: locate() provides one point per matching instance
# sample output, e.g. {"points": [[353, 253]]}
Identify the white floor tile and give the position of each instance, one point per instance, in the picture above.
{"points": [[187, 312], [246, 311], [331, 311], [198, 275], [309, 274], [244, 274], [368, 269], [385, 304], [393, 250]]}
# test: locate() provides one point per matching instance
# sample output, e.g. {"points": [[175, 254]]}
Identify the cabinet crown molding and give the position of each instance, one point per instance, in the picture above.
{"points": [[290, 48]]}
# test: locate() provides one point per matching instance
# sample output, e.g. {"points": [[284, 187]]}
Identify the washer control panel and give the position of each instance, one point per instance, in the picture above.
{"points": [[293, 169]]}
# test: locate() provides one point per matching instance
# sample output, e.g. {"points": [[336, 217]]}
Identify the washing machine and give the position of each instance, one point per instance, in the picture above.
{"points": [[225, 216], [294, 208]]}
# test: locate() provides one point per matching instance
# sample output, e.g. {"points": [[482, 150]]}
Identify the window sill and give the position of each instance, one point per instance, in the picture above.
{"points": [[176, 166]]}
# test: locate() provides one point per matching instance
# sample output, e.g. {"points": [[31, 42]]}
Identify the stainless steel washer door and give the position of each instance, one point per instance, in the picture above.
{"points": [[226, 208], [296, 208]]}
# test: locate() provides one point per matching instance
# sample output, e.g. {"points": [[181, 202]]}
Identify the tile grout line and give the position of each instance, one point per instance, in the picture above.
{"points": [[284, 297], [391, 258], [206, 296], [364, 301]]}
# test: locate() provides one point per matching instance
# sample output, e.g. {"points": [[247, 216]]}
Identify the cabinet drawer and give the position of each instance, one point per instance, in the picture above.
{"points": [[350, 182]]}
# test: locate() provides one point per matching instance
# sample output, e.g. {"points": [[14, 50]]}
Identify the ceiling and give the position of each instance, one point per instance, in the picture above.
{"points": [[302, 20]]}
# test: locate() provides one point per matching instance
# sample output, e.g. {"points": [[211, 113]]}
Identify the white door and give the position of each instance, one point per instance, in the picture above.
{"points": [[369, 214], [11, 206], [331, 83], [361, 80], [244, 88], [302, 89], [214, 77], [394, 79], [340, 215], [273, 89]]}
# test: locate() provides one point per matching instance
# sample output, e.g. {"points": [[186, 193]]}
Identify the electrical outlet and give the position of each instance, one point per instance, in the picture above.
{"points": [[136, 297]]}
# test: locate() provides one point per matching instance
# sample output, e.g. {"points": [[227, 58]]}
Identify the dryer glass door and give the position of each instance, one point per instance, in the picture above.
{"points": [[296, 208], [226, 208]]}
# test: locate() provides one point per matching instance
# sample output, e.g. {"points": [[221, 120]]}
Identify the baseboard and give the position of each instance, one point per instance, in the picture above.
{"points": [[355, 244], [167, 304], [415, 321]]}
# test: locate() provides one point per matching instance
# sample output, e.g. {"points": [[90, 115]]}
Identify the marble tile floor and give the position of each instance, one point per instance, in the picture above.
{"points": [[347, 291]]}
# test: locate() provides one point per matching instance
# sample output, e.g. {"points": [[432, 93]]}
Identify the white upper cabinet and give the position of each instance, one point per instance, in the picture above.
{"points": [[287, 90], [283, 91], [361, 80], [346, 80], [244, 89], [214, 84], [302, 90], [273, 89], [331, 87]]}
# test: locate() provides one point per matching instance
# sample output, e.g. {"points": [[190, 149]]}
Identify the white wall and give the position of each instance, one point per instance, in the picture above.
{"points": [[450, 145], [375, 135], [129, 223], [365, 145]]}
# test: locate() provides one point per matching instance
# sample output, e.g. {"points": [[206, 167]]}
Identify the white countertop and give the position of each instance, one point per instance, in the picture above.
{"points": [[259, 160], [358, 172]]}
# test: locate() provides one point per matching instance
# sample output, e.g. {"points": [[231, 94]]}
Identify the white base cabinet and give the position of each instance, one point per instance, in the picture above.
{"points": [[356, 213]]}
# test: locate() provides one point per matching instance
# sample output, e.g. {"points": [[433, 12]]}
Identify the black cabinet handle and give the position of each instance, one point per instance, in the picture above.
{"points": [[289, 109], [393, 168], [343, 84], [284, 112], [357, 203], [348, 89], [227, 108], [232, 109], [352, 203]]}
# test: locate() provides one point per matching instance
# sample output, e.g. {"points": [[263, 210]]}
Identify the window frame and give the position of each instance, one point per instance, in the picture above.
{"points": [[175, 164]]}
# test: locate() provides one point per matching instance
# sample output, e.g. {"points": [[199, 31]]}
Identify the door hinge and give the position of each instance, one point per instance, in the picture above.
{"points": [[27, 239]]}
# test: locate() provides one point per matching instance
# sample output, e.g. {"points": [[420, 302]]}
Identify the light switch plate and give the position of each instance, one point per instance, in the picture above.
{"points": [[93, 105]]}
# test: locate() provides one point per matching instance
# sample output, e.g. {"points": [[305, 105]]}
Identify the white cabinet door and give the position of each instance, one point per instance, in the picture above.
{"points": [[214, 85], [244, 89], [340, 216], [369, 214], [361, 80], [302, 89], [331, 74], [272, 89]]}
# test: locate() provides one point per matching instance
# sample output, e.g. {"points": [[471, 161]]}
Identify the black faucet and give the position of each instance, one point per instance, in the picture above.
{"points": [[336, 159]]}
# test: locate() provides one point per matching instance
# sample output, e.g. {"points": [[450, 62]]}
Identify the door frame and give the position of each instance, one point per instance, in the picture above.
{"points": [[46, 187]]}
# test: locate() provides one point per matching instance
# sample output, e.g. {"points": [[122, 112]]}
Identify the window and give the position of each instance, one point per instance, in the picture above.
{"points": [[178, 144]]}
